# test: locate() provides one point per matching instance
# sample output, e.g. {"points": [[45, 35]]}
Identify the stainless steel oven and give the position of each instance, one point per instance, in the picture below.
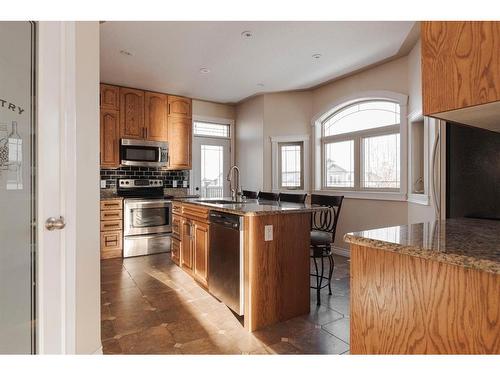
{"points": [[141, 153], [147, 226]]}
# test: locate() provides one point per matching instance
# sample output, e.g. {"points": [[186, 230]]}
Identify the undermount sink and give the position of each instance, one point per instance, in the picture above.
{"points": [[218, 201]]}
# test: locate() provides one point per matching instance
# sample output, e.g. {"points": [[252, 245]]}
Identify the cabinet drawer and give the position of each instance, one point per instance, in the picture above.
{"points": [[111, 204], [176, 208], [176, 226], [111, 244], [111, 215], [111, 225], [175, 251], [195, 212]]}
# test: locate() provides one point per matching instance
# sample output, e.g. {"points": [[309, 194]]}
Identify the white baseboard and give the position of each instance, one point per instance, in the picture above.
{"points": [[341, 251]]}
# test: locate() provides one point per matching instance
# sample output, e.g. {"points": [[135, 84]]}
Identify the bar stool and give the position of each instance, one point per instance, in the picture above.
{"points": [[292, 198], [249, 194], [268, 196], [323, 228]]}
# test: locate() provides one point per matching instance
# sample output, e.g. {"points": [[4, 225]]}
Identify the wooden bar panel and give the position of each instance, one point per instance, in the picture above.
{"points": [[407, 305], [276, 272]]}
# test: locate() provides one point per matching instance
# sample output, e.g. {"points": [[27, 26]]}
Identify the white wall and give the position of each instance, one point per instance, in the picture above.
{"points": [[286, 113], [249, 143], [210, 109], [88, 296], [418, 213]]}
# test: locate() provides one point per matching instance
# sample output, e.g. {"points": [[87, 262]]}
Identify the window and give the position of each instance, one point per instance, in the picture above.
{"points": [[291, 165], [209, 129], [361, 148]]}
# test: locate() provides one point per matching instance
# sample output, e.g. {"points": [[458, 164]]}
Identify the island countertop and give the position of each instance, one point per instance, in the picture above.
{"points": [[470, 243], [253, 207]]}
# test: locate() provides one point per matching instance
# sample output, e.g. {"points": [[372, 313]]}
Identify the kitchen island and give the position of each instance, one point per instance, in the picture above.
{"points": [[428, 288], [275, 267]]}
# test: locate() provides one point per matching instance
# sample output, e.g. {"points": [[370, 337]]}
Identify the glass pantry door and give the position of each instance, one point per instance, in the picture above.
{"points": [[17, 189]]}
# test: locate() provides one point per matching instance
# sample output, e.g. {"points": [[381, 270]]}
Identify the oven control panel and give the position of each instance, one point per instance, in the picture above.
{"points": [[130, 183]]}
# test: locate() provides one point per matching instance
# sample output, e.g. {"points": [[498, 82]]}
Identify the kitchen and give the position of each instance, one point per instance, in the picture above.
{"points": [[311, 206]]}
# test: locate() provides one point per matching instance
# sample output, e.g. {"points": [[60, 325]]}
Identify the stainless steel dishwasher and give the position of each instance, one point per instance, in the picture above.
{"points": [[225, 280]]}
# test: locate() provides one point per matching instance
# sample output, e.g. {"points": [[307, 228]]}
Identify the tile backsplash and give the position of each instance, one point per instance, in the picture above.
{"points": [[168, 177]]}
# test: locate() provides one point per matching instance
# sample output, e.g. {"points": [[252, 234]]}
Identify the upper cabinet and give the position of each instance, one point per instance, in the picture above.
{"points": [[460, 72], [131, 113], [179, 145], [109, 139], [137, 114], [110, 97], [179, 106], [155, 125]]}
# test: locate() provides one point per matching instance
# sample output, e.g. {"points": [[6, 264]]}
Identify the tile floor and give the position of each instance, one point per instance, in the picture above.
{"points": [[150, 306]]}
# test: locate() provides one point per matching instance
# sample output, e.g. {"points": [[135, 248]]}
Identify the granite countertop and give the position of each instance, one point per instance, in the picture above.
{"points": [[471, 243], [254, 207], [168, 192]]}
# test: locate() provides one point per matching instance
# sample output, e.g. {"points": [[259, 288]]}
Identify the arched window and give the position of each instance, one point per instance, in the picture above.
{"points": [[361, 147]]}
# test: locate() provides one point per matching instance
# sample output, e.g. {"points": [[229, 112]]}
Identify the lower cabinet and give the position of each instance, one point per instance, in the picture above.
{"points": [[190, 241], [200, 241], [186, 245], [111, 228]]}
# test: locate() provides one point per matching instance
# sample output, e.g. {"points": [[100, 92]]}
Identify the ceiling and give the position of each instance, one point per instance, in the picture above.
{"points": [[168, 56]]}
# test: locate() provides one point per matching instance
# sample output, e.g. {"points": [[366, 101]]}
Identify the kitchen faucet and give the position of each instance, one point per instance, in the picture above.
{"points": [[236, 190]]}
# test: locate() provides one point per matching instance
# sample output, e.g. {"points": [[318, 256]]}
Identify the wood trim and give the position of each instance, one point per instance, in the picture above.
{"points": [[407, 305]]}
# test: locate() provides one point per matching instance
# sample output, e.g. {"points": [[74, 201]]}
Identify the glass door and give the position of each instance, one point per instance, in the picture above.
{"points": [[211, 163], [17, 188]]}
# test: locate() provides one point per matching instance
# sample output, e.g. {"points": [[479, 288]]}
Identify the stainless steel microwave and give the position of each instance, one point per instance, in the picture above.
{"points": [[142, 153]]}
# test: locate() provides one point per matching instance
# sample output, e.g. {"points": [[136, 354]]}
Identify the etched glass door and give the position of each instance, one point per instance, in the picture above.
{"points": [[17, 188]]}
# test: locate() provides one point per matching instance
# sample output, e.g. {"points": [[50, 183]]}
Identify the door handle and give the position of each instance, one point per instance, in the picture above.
{"points": [[53, 223]]}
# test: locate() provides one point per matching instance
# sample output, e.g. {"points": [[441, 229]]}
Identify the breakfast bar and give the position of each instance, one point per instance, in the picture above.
{"points": [[428, 288]]}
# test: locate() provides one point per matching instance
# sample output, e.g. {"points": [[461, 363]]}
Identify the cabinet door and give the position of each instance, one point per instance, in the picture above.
{"points": [[201, 245], [179, 145], [110, 97], [131, 113], [187, 245], [156, 116], [460, 64], [179, 106], [175, 252], [109, 139]]}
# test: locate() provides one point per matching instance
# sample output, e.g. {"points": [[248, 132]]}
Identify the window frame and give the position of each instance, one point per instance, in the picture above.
{"points": [[319, 141], [223, 123], [280, 170]]}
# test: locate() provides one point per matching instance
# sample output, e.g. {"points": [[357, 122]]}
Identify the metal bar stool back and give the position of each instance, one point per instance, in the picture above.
{"points": [[292, 198], [268, 196], [323, 228], [249, 194]]}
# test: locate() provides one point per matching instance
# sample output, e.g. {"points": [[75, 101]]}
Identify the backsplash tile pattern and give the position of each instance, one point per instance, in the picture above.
{"points": [[168, 177]]}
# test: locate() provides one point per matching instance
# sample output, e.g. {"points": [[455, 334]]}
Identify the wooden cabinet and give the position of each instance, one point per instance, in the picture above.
{"points": [[137, 114], [179, 106], [200, 241], [186, 245], [111, 228], [190, 232], [110, 97], [175, 251], [180, 141], [109, 139], [460, 71], [131, 113], [156, 116]]}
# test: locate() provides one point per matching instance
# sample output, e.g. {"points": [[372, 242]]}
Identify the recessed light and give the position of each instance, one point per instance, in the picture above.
{"points": [[260, 84], [204, 70], [126, 52], [316, 56], [247, 34]]}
